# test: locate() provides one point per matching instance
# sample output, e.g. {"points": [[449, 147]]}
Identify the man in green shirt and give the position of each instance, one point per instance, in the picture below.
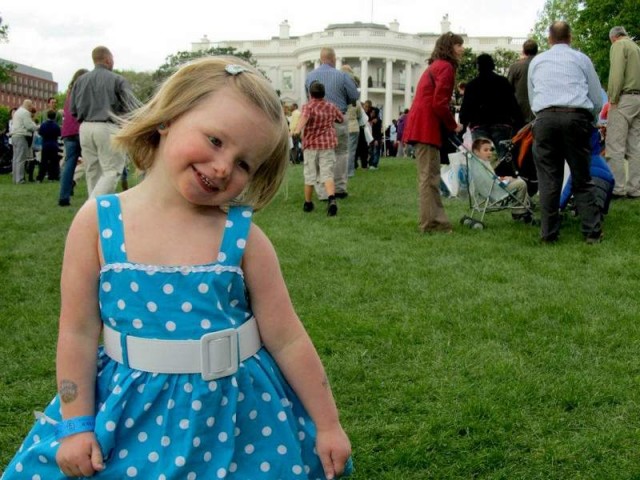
{"points": [[51, 105], [623, 126]]}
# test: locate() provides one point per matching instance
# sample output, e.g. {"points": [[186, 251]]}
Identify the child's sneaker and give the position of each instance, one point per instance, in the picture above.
{"points": [[307, 207], [332, 209]]}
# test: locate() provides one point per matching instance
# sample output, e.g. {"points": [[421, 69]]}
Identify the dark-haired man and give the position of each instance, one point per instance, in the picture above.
{"points": [[565, 95], [52, 105], [518, 75]]}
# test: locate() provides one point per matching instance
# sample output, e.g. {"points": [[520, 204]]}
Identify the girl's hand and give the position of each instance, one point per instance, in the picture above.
{"points": [[79, 455], [334, 449]]}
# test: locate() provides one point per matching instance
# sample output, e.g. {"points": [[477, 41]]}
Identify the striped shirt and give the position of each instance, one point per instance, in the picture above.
{"points": [[319, 132], [340, 89], [564, 77]]}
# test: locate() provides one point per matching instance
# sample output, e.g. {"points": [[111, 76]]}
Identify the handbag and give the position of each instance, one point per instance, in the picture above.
{"points": [[368, 134]]}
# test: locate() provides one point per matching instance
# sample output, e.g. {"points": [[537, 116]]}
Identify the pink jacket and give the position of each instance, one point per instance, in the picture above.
{"points": [[70, 126]]}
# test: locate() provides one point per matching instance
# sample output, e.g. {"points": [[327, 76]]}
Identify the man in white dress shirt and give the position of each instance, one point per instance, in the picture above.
{"points": [[565, 95]]}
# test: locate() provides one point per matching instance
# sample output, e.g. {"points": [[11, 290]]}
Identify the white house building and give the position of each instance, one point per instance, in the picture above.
{"points": [[388, 62]]}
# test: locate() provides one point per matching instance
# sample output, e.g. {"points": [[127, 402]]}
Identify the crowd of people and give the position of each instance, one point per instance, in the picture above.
{"points": [[94, 102], [539, 92], [548, 94]]}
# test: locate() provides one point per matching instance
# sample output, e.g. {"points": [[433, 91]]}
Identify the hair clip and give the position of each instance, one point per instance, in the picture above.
{"points": [[233, 69]]}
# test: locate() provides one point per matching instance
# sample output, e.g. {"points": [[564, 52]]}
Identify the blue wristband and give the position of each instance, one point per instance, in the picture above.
{"points": [[74, 425], [348, 468]]}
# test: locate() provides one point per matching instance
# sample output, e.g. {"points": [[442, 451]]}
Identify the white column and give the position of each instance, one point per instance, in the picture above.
{"points": [[408, 79], [316, 64], [388, 94], [364, 79], [338, 63], [276, 77], [303, 78]]}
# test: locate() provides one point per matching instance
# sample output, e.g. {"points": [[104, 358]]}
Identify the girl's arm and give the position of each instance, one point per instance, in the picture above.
{"points": [[286, 339], [79, 332]]}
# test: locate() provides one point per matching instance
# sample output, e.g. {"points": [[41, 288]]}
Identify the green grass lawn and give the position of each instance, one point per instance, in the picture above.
{"points": [[482, 354]]}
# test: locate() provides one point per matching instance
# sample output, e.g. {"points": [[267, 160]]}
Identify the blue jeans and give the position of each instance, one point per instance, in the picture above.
{"points": [[374, 154], [72, 153]]}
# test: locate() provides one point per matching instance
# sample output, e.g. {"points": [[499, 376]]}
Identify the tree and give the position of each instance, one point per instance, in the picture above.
{"points": [[5, 68], [590, 22], [467, 68], [142, 84], [174, 61], [595, 20], [503, 59], [4, 118], [567, 10]]}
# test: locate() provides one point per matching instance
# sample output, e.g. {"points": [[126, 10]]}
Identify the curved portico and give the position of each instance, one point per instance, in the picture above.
{"points": [[387, 61]]}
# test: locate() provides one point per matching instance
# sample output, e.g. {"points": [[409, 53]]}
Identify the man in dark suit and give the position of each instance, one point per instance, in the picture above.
{"points": [[518, 75]]}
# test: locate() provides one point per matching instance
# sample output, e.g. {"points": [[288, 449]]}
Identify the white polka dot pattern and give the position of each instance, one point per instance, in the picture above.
{"points": [[249, 425]]}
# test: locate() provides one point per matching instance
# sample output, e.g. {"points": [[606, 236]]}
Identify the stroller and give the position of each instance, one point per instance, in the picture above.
{"points": [[487, 193]]}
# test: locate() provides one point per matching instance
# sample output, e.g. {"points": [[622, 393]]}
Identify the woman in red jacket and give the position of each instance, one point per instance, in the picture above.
{"points": [[428, 117]]}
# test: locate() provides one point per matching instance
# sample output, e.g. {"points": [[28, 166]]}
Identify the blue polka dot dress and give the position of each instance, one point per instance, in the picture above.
{"points": [[150, 426]]}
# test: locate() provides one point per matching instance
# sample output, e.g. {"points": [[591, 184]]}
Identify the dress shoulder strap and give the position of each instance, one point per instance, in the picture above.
{"points": [[235, 235], [111, 229]]}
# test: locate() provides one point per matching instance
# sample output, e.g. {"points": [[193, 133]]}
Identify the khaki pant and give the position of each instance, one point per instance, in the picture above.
{"points": [[103, 165], [318, 166], [623, 142], [432, 214], [340, 169], [20, 154], [518, 188]]}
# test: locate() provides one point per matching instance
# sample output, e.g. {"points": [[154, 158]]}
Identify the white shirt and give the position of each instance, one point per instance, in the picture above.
{"points": [[22, 123], [564, 77]]}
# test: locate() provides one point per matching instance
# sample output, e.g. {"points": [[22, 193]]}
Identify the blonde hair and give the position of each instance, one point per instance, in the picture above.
{"points": [[185, 90]]}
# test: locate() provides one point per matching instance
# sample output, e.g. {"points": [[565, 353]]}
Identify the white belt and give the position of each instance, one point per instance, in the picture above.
{"points": [[215, 355]]}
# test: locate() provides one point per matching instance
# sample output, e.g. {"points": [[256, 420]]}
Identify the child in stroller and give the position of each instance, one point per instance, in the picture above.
{"points": [[488, 192], [484, 149]]}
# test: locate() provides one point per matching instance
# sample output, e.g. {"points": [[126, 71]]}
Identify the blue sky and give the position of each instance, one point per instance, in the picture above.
{"points": [[59, 37]]}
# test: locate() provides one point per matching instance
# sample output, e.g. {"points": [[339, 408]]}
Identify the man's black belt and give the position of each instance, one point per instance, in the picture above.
{"points": [[566, 110], [631, 92]]}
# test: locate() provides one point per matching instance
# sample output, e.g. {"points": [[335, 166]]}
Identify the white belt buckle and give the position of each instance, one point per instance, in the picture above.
{"points": [[219, 354]]}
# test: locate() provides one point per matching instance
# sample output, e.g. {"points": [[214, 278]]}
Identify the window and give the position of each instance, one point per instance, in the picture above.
{"points": [[287, 80]]}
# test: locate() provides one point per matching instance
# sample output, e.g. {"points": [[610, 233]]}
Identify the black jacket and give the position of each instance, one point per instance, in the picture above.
{"points": [[489, 99]]}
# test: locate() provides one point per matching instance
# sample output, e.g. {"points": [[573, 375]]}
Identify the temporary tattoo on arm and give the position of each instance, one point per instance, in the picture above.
{"points": [[68, 391]]}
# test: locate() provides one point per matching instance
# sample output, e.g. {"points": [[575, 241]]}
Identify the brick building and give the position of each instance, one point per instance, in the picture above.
{"points": [[28, 82]]}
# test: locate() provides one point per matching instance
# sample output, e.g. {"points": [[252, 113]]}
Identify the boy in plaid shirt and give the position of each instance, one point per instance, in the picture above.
{"points": [[319, 143]]}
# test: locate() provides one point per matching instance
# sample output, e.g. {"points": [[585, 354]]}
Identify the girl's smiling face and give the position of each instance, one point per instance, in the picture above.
{"points": [[211, 152]]}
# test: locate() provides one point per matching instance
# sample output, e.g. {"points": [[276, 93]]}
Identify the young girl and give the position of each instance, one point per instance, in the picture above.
{"points": [[206, 371]]}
